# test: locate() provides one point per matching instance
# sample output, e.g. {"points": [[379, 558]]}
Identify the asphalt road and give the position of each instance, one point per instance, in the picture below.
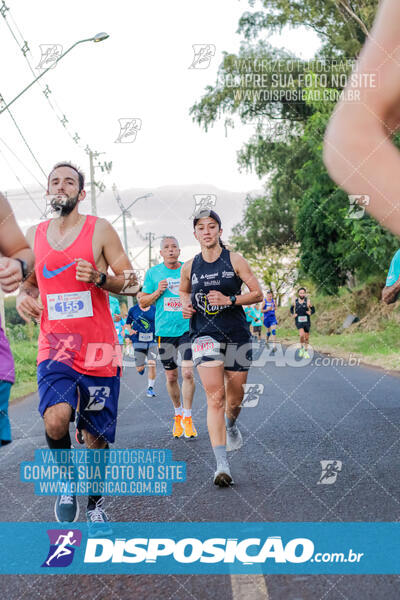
{"points": [[305, 415]]}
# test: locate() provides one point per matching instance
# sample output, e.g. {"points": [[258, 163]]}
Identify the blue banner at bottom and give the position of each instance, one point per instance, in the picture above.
{"points": [[201, 548]]}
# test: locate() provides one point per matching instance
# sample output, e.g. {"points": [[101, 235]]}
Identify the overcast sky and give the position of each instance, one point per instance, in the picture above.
{"points": [[141, 71]]}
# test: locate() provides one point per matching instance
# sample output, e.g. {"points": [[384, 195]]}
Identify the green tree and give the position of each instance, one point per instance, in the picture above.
{"points": [[301, 207]]}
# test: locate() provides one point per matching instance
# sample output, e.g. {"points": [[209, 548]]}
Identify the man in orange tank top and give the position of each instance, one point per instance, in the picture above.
{"points": [[79, 358]]}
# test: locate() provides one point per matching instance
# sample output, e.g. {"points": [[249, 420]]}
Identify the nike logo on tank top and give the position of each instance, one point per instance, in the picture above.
{"points": [[76, 326]]}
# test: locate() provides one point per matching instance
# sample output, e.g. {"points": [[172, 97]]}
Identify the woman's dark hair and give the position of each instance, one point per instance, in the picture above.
{"points": [[205, 212]]}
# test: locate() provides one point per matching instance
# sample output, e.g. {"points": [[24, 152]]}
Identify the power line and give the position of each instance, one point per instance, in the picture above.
{"points": [[25, 142], [20, 182], [59, 113], [23, 164]]}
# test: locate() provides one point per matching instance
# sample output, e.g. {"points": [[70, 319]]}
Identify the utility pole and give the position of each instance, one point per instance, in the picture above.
{"points": [[150, 237], [105, 167], [92, 184], [124, 213]]}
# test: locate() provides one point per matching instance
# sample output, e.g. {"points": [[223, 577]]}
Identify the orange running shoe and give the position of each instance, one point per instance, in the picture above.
{"points": [[189, 428], [178, 429]]}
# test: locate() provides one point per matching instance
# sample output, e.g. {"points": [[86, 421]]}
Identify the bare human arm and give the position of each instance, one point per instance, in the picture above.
{"points": [[124, 279], [391, 292], [185, 289], [28, 304], [243, 270], [149, 299], [13, 245], [358, 150]]}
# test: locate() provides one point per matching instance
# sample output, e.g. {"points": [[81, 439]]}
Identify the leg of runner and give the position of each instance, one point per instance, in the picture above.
{"points": [[174, 393], [56, 422], [97, 518], [140, 358], [212, 378], [151, 380], [234, 381], [273, 331], [188, 388], [151, 371], [302, 339], [306, 338], [5, 429]]}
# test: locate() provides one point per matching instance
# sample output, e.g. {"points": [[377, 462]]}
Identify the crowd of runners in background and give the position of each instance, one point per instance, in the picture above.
{"points": [[206, 313]]}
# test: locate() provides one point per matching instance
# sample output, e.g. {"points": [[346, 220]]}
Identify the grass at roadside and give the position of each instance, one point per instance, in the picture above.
{"points": [[24, 353], [380, 348]]}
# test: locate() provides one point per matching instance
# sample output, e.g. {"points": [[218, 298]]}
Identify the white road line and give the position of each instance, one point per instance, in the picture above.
{"points": [[249, 587]]}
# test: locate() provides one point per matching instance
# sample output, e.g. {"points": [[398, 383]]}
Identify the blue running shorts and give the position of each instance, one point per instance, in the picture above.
{"points": [[98, 396]]}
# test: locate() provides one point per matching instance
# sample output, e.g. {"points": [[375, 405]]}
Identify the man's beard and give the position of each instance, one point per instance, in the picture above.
{"points": [[64, 208]]}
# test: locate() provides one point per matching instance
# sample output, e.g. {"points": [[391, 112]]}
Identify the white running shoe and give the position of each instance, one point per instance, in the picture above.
{"points": [[234, 439]]}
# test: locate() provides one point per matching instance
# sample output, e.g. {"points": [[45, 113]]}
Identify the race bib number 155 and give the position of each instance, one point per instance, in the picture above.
{"points": [[72, 305]]}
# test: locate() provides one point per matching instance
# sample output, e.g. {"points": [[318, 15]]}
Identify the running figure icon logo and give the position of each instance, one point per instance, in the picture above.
{"points": [[62, 547], [203, 202], [330, 470], [203, 54], [63, 347], [50, 53], [133, 280], [128, 130], [98, 397], [252, 393], [357, 204]]}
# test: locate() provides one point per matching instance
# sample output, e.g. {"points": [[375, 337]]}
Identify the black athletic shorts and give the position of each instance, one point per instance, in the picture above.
{"points": [[168, 348], [306, 325], [256, 328], [142, 351], [234, 352]]}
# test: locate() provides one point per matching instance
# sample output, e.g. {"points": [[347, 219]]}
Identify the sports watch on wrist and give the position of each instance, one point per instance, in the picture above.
{"points": [[232, 299], [24, 268], [102, 279]]}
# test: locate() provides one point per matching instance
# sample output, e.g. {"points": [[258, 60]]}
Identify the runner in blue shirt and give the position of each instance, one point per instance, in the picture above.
{"points": [[270, 321], [161, 286], [141, 327], [256, 320], [117, 317]]}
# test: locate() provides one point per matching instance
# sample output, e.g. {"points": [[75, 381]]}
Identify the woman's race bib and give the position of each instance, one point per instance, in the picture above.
{"points": [[205, 346], [302, 319]]}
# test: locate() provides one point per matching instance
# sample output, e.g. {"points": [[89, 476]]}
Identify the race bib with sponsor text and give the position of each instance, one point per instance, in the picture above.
{"points": [[145, 337], [172, 304], [71, 305], [205, 346]]}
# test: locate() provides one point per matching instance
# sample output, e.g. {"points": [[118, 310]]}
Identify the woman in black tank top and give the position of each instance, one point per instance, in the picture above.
{"points": [[211, 297]]}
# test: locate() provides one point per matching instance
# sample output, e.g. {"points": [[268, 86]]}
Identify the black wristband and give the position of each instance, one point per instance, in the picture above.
{"points": [[24, 268], [102, 280]]}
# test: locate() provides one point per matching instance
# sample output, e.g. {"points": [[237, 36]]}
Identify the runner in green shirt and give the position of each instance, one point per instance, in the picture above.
{"points": [[161, 286]]}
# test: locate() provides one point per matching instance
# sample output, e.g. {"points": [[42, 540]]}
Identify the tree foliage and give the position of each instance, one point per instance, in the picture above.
{"points": [[301, 208]]}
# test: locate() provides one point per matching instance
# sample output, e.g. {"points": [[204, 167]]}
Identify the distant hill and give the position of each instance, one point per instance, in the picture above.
{"points": [[168, 211]]}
